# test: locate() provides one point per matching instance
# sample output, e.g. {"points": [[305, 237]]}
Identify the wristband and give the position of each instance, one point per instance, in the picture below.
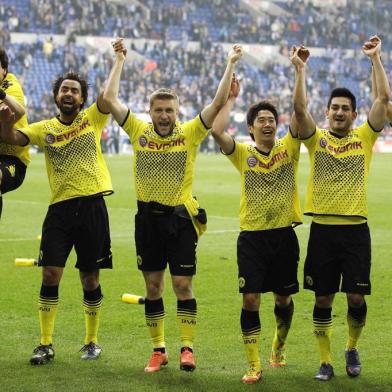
{"points": [[2, 94]]}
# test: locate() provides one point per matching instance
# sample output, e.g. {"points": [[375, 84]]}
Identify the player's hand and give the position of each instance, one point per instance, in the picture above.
{"points": [[299, 56], [235, 53], [372, 47], [6, 114], [234, 88], [119, 48]]}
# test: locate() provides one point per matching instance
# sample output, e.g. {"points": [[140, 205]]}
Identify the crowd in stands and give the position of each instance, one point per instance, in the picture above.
{"points": [[219, 20], [193, 73]]}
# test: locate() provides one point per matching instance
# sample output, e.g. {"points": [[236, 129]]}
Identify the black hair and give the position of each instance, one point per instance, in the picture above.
{"points": [[71, 76], [343, 92], [4, 59]]}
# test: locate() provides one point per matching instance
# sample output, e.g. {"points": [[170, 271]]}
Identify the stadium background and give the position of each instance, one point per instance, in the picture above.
{"points": [[183, 44]]}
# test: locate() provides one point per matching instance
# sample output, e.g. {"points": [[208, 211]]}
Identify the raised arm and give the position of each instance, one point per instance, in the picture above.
{"points": [[378, 111], [375, 40], [224, 140], [13, 104], [209, 113], [302, 122], [8, 134], [110, 94]]}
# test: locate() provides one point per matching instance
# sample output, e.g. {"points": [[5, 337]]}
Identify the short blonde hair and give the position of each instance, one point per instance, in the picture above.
{"points": [[163, 93]]}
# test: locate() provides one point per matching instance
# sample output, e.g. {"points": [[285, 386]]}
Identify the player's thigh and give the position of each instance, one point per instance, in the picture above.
{"points": [[252, 262], [91, 235], [181, 251], [56, 241], [322, 269], [356, 263], [284, 266], [150, 241], [13, 172]]}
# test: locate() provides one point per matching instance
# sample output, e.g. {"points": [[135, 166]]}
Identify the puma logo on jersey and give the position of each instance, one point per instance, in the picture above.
{"points": [[12, 170]]}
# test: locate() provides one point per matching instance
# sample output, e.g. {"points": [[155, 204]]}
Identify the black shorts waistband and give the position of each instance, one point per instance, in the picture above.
{"points": [[158, 208]]}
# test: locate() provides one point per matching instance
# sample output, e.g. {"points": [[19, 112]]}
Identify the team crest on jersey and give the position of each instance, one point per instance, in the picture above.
{"points": [[143, 141], [323, 142], [49, 138], [6, 84], [309, 280], [241, 282], [252, 161]]}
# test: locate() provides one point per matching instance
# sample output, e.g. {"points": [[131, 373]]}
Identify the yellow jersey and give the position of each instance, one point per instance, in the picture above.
{"points": [[163, 165], [269, 191], [338, 179], [12, 87], [74, 160]]}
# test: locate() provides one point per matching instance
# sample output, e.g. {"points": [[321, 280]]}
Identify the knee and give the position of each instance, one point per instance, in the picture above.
{"points": [[183, 289], [355, 300], [251, 302], [90, 281], [282, 301], [154, 290], [50, 277], [324, 301]]}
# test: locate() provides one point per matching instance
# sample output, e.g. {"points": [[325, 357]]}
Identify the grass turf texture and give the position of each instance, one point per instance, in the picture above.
{"points": [[218, 347]]}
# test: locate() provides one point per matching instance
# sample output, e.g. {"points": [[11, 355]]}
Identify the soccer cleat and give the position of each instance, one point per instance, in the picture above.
{"points": [[90, 351], [42, 355], [278, 358], [325, 373], [155, 362], [353, 364], [252, 376], [187, 361]]}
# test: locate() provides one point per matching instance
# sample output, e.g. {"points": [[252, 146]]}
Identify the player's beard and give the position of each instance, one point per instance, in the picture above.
{"points": [[69, 110]]}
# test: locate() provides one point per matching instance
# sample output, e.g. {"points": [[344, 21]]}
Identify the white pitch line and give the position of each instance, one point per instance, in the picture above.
{"points": [[130, 235]]}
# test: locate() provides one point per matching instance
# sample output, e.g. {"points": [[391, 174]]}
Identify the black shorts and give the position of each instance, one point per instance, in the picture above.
{"points": [[83, 223], [164, 237], [268, 261], [13, 170], [336, 251]]}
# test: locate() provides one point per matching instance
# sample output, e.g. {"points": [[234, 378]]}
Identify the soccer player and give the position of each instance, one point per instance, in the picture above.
{"points": [[168, 220], [267, 246], [13, 159], [339, 242], [77, 215]]}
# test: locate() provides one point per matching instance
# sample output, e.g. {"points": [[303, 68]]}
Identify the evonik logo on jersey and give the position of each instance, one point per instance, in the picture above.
{"points": [[160, 146], [253, 161], [50, 138], [340, 150]]}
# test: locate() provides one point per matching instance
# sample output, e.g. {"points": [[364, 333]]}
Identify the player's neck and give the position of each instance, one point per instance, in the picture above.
{"points": [[339, 134], [265, 147], [67, 118]]}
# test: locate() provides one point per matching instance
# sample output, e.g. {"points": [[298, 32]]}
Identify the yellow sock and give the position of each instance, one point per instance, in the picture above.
{"points": [[186, 321], [155, 316], [250, 326], [356, 318], [92, 302], [322, 322], [47, 311]]}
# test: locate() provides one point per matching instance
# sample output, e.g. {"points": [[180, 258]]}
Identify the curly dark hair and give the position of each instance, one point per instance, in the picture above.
{"points": [[71, 76], [4, 59]]}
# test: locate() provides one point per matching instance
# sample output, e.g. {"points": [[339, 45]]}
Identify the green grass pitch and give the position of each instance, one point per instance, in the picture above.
{"points": [[219, 351]]}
